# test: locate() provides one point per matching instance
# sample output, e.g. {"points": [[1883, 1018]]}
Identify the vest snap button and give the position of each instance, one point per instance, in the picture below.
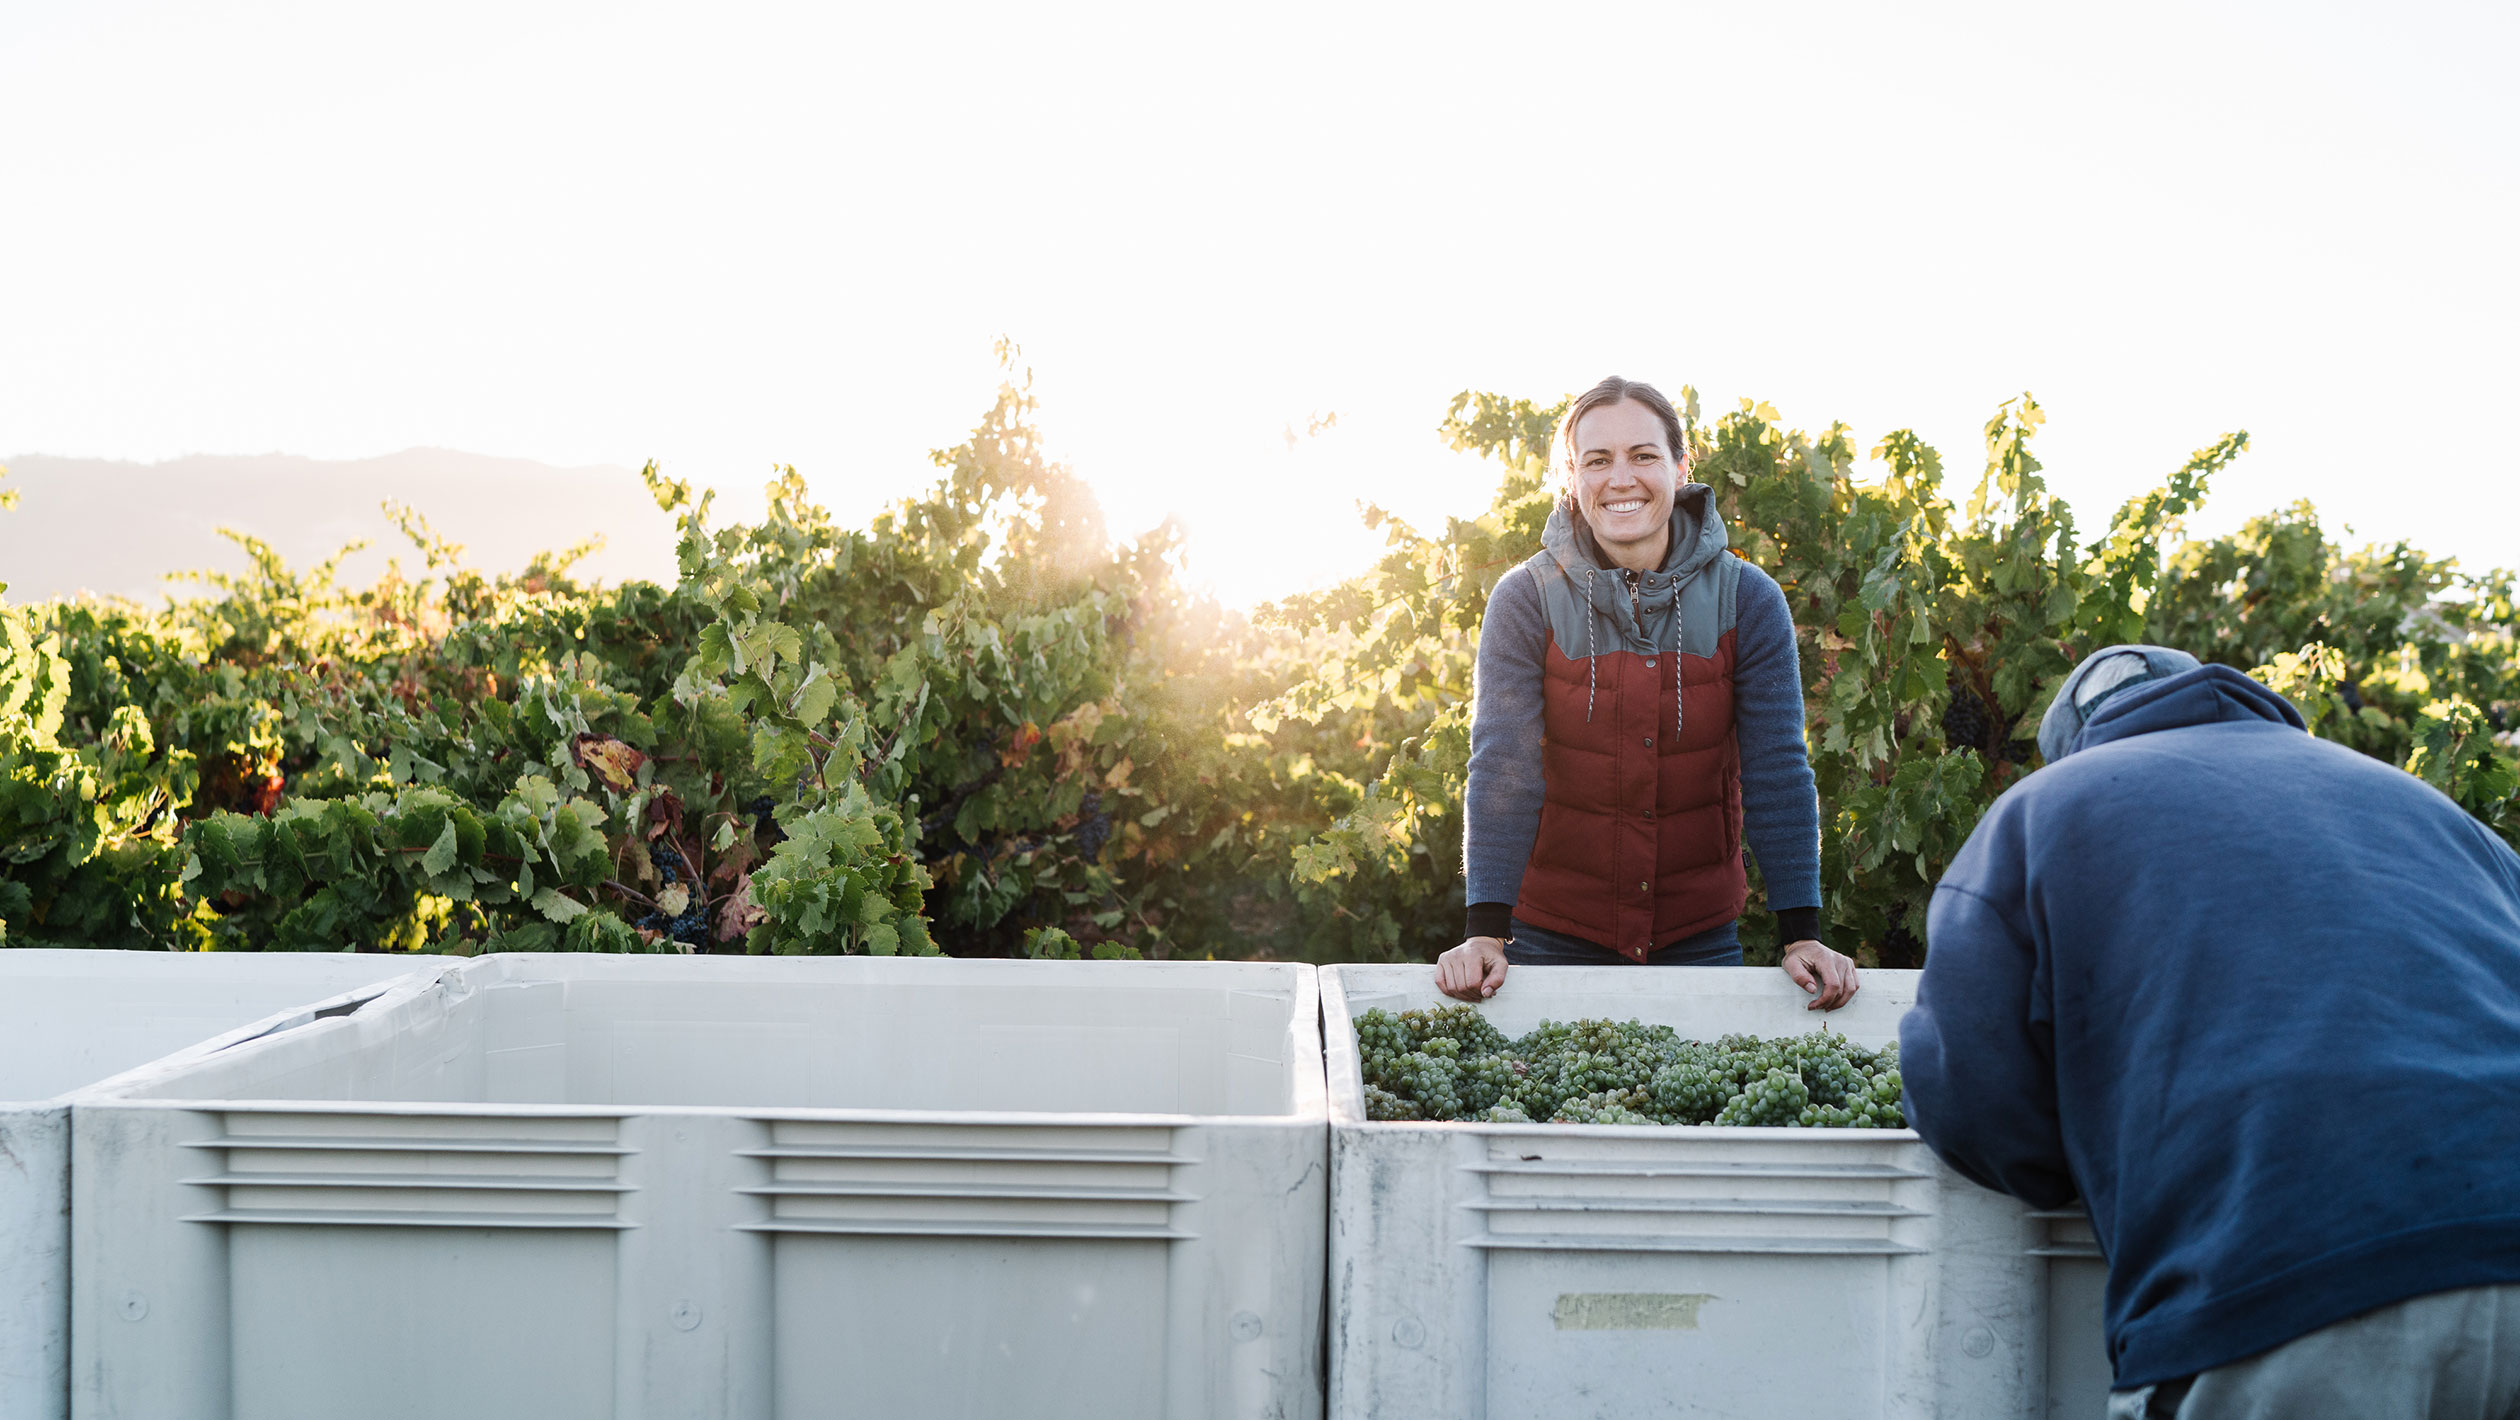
{"points": [[1649, 741], [1649, 663], [1644, 887], [1649, 815]]}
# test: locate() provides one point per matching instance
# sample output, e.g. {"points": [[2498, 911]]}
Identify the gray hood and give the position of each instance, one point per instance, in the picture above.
{"points": [[1606, 611], [1697, 536]]}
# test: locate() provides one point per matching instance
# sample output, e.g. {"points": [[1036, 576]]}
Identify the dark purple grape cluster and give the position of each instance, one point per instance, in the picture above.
{"points": [[1899, 948], [1093, 826], [691, 927], [1971, 721], [1968, 721]]}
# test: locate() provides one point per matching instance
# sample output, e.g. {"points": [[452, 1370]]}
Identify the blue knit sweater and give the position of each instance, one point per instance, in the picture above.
{"points": [[2251, 995]]}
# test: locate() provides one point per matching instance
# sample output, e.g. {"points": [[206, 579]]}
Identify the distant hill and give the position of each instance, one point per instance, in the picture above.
{"points": [[118, 529]]}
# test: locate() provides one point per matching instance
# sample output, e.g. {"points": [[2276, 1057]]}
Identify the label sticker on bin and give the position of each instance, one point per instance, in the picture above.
{"points": [[1629, 1311]]}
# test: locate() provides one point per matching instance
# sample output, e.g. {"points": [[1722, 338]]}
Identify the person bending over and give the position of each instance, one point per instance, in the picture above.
{"points": [[2254, 998]]}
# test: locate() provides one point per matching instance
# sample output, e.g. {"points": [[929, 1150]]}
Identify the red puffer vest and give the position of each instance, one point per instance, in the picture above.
{"points": [[1640, 832]]}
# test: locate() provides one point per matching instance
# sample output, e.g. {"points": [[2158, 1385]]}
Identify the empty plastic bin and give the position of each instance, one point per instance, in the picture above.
{"points": [[1497, 1270], [580, 1188], [70, 1019]]}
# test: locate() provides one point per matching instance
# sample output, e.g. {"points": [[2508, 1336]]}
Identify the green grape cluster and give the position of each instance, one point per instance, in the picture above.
{"points": [[1776, 1100], [1830, 1079], [1606, 1107], [1573, 1060], [1383, 1104], [1452, 1064], [1693, 1089], [1431, 1075]]}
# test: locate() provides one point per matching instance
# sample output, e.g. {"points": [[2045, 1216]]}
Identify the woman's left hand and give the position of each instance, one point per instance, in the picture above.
{"points": [[1828, 975]]}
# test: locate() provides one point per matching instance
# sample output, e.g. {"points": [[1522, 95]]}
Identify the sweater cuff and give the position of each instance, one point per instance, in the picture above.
{"points": [[1796, 924], [1490, 919]]}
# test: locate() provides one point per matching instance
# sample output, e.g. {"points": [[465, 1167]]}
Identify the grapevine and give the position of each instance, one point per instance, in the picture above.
{"points": [[981, 724]]}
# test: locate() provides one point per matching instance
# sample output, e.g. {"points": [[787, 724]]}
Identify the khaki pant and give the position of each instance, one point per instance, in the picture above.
{"points": [[2450, 1354]]}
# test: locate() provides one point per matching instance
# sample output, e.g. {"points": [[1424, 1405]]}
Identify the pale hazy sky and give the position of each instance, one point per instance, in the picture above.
{"points": [[729, 235]]}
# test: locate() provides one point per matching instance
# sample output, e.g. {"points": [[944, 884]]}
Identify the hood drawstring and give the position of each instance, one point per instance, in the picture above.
{"points": [[1677, 642]]}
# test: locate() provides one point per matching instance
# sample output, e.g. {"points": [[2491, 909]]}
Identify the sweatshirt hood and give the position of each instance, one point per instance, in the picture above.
{"points": [[2204, 696], [1697, 535]]}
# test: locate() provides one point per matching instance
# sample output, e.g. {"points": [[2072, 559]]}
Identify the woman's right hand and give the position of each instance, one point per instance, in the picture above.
{"points": [[1473, 970]]}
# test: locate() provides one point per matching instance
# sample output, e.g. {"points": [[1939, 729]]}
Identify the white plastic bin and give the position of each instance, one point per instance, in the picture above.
{"points": [[69, 1019], [1493, 1270], [565, 1188]]}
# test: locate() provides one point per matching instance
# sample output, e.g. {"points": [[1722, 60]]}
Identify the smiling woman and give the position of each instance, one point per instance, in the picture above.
{"points": [[1608, 795]]}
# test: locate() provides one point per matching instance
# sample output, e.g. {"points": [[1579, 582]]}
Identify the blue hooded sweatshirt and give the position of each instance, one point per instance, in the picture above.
{"points": [[2255, 998]]}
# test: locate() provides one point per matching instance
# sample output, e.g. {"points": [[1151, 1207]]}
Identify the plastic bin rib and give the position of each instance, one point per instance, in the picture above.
{"points": [[2068, 1234], [1644, 1242], [416, 1171], [904, 1181], [1656, 1168], [379, 1144]]}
